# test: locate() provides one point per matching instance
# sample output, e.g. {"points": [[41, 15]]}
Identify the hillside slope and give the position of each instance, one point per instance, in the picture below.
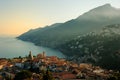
{"points": [[94, 19], [101, 48]]}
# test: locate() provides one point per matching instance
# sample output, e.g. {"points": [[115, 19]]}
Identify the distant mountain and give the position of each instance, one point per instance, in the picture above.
{"points": [[40, 36], [61, 33], [102, 12]]}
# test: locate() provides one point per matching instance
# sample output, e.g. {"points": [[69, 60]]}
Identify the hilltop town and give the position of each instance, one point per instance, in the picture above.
{"points": [[59, 68]]}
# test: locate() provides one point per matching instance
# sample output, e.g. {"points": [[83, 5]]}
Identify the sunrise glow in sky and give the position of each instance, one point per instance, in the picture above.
{"points": [[18, 16]]}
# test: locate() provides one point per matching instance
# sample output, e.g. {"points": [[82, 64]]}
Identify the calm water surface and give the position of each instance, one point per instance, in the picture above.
{"points": [[11, 47]]}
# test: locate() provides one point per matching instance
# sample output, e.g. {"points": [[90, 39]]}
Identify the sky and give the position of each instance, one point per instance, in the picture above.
{"points": [[19, 16]]}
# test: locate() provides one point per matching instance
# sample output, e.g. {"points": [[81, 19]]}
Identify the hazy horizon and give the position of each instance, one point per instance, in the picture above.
{"points": [[18, 17]]}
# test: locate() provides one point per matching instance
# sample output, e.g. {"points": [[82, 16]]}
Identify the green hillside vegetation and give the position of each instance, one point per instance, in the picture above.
{"points": [[102, 48]]}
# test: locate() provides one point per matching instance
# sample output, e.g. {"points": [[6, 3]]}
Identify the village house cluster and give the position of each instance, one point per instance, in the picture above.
{"points": [[60, 68]]}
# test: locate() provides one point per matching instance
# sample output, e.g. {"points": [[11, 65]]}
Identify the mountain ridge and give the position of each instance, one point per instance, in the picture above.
{"points": [[89, 21]]}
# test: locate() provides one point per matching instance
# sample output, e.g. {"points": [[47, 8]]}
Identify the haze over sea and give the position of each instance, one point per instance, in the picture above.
{"points": [[11, 47]]}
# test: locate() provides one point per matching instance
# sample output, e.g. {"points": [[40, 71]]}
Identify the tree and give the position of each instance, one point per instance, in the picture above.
{"points": [[115, 76], [47, 76], [23, 75]]}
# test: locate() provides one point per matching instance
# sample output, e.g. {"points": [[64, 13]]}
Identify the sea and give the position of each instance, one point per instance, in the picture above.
{"points": [[11, 47]]}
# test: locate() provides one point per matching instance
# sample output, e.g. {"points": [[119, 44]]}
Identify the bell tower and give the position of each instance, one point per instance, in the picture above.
{"points": [[30, 57]]}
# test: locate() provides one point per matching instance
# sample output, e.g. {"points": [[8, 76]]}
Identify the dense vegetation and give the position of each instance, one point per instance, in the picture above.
{"points": [[27, 75], [101, 48]]}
